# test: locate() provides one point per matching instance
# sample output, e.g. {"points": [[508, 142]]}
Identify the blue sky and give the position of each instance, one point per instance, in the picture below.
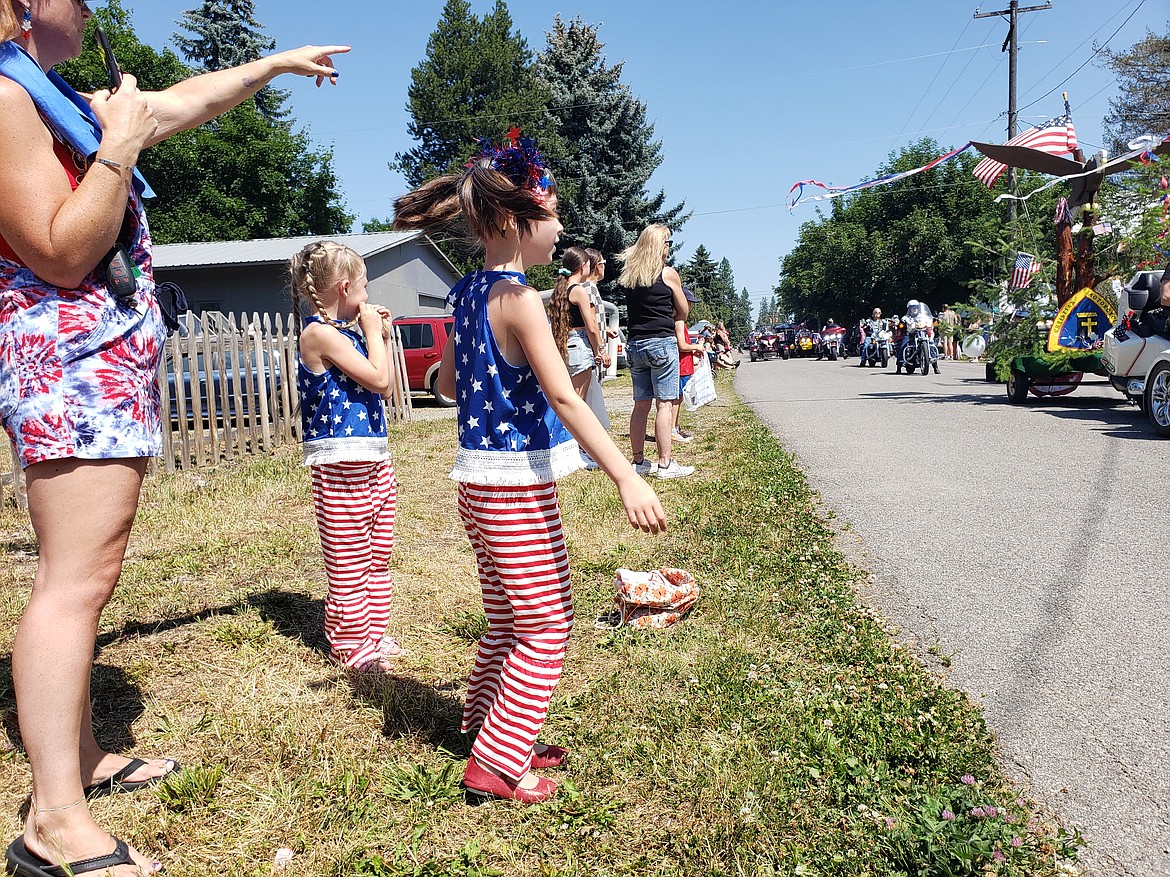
{"points": [[747, 96]]}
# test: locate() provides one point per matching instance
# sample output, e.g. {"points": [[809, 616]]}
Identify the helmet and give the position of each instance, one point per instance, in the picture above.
{"points": [[913, 303]]}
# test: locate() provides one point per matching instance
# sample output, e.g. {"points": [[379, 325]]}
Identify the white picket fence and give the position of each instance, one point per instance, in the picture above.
{"points": [[247, 401], [229, 390]]}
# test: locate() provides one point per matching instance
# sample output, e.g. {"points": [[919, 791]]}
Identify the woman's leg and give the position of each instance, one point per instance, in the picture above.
{"points": [[581, 382], [519, 529], [82, 512]]}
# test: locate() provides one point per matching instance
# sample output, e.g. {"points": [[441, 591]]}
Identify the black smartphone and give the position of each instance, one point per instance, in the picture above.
{"points": [[112, 68]]}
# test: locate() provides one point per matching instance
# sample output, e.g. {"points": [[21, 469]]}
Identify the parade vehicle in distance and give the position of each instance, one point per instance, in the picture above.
{"points": [[764, 343], [1137, 352], [806, 342]]}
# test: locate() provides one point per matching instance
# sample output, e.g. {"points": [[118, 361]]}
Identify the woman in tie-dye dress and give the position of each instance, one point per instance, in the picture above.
{"points": [[78, 357]]}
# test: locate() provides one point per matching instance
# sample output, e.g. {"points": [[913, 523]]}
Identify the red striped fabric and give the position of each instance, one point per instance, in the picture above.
{"points": [[524, 578], [1056, 136], [355, 504]]}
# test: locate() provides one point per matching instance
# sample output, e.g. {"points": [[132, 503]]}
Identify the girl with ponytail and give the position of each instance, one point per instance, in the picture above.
{"points": [[519, 424]]}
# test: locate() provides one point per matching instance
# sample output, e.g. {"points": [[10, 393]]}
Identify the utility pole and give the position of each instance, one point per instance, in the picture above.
{"points": [[1010, 45]]}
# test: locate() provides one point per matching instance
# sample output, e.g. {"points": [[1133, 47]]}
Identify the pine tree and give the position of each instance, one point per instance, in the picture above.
{"points": [[476, 81], [227, 34], [701, 275], [1143, 77], [242, 177], [741, 316], [611, 148]]}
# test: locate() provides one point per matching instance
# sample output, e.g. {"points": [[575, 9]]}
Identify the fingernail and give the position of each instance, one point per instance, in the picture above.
{"points": [[334, 74]]}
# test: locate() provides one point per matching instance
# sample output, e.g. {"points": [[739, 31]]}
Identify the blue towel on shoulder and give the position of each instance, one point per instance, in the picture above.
{"points": [[66, 112]]}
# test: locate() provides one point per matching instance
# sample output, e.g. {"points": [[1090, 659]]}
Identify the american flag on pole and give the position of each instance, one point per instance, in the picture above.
{"points": [[1056, 136], [1023, 270]]}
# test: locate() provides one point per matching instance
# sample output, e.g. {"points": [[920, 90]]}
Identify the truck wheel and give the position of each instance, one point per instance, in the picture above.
{"points": [[1017, 387], [444, 401], [1158, 399]]}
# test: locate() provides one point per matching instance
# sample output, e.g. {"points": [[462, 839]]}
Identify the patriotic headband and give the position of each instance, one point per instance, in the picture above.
{"points": [[518, 159]]}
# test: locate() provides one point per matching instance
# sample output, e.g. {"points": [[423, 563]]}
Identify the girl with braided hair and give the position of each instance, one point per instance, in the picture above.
{"points": [[344, 370], [519, 423]]}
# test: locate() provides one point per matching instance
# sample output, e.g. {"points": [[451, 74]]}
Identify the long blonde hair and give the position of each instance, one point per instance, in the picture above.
{"points": [[9, 21], [642, 263], [573, 260], [317, 267]]}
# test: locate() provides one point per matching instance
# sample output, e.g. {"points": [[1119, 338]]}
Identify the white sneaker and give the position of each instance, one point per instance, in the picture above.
{"points": [[679, 436], [591, 465], [675, 470], [645, 467]]}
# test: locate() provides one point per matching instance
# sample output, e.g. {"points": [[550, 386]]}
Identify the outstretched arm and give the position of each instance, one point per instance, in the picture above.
{"points": [[199, 99], [524, 320]]}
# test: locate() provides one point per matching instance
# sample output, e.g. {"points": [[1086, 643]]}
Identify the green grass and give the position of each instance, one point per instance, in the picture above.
{"points": [[778, 730]]}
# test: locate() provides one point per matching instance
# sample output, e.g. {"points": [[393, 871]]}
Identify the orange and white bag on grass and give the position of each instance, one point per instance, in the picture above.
{"points": [[654, 600]]}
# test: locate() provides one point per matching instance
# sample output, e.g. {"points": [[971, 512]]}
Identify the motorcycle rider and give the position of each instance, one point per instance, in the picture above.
{"points": [[830, 326], [917, 317], [871, 327]]}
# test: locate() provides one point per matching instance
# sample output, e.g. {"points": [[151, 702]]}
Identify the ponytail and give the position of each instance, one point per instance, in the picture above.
{"points": [[482, 197], [573, 260]]}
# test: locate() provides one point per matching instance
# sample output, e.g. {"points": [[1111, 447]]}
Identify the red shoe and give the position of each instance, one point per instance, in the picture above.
{"points": [[484, 783], [553, 756]]}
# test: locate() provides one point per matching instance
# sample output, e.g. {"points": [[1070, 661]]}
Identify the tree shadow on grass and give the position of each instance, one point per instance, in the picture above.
{"points": [[409, 708]]}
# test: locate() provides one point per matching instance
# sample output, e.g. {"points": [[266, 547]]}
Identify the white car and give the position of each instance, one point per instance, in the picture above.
{"points": [[1137, 355]]}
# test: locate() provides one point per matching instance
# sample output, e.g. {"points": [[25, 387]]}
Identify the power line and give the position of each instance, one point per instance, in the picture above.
{"points": [[946, 57], [1096, 52]]}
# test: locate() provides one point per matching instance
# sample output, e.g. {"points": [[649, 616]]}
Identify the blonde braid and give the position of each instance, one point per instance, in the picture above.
{"points": [[325, 256]]}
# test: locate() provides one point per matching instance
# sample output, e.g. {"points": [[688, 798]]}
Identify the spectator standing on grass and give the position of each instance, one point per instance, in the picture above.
{"points": [[80, 347], [949, 324], [518, 416], [598, 261], [653, 296], [573, 318], [343, 371], [686, 364]]}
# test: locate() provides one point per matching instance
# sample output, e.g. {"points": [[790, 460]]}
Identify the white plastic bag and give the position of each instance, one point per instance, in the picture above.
{"points": [[700, 389]]}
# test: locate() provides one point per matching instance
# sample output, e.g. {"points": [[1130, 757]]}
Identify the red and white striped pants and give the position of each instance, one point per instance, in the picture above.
{"points": [[524, 575], [355, 505]]}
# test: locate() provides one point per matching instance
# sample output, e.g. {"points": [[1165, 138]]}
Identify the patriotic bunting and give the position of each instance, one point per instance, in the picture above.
{"points": [[837, 191]]}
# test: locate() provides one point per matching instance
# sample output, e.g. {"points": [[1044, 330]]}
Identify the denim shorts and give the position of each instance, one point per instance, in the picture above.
{"points": [[580, 352], [654, 368]]}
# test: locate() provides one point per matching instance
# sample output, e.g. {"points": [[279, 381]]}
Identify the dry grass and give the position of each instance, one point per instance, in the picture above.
{"points": [[685, 762]]}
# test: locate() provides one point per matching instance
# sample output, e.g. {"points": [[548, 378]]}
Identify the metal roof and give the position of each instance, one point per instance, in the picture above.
{"points": [[212, 254]]}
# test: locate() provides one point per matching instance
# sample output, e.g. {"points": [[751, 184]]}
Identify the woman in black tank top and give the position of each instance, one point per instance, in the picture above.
{"points": [[654, 300]]}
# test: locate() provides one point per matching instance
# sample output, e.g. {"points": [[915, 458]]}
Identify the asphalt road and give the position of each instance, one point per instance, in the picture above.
{"points": [[1030, 544]]}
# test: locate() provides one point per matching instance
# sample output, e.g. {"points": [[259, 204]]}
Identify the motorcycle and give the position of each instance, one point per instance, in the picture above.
{"points": [[1137, 352], [920, 351], [879, 348], [765, 344], [832, 344]]}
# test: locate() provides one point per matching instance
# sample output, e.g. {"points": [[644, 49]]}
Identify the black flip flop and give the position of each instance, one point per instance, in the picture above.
{"points": [[22, 863], [116, 783]]}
